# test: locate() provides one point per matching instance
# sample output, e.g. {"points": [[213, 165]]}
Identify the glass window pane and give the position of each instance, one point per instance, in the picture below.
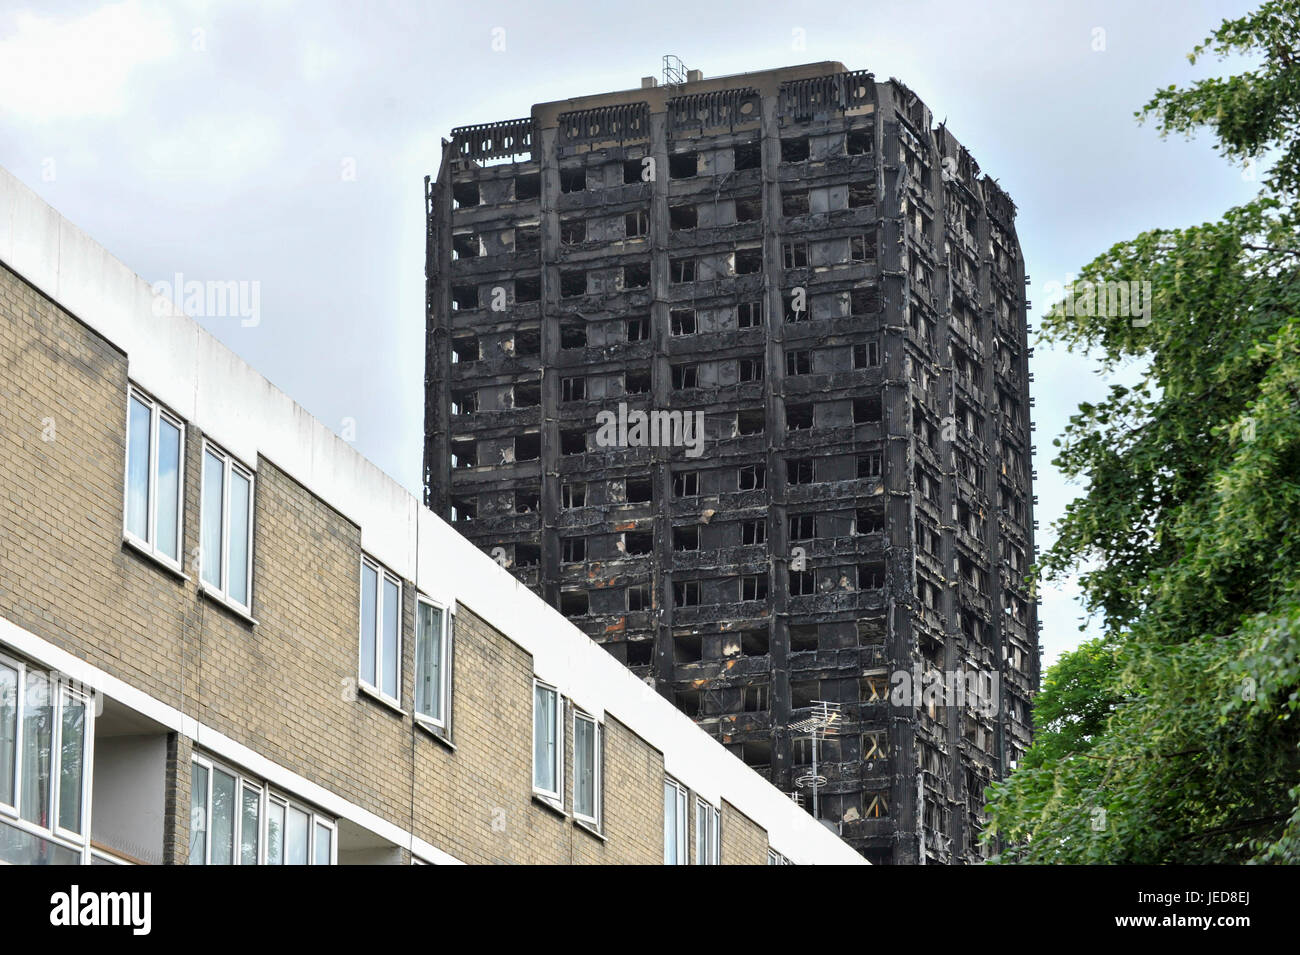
{"points": [[223, 818], [240, 502], [584, 768], [706, 834], [544, 739], [250, 829], [274, 833], [214, 484], [199, 815], [18, 847], [296, 837], [369, 603], [8, 731], [137, 469], [428, 662], [681, 826], [72, 760], [670, 824], [392, 608], [38, 732], [167, 501], [324, 836]]}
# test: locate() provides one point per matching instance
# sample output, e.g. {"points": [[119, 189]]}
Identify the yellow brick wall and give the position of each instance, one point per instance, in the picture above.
{"points": [[744, 842]]}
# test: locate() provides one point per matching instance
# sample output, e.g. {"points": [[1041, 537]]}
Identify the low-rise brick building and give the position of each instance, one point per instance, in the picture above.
{"points": [[226, 637]]}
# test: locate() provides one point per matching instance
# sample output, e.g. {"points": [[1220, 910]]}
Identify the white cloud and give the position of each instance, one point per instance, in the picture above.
{"points": [[60, 67], [213, 148], [317, 61]]}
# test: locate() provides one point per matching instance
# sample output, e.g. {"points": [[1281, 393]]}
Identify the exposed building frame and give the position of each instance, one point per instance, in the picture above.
{"points": [[826, 277]]}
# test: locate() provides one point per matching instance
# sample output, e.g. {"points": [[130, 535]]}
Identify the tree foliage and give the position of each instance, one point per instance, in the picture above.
{"points": [[1172, 738]]}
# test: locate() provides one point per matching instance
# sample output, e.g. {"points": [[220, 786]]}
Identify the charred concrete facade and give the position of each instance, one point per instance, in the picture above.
{"points": [[804, 258]]}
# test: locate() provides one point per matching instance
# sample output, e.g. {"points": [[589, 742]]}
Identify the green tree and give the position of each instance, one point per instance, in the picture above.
{"points": [[1077, 698], [1173, 738]]}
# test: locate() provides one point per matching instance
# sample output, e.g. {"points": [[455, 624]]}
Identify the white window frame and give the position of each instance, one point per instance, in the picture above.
{"points": [[708, 833], [104, 857], [382, 574], [230, 465], [59, 689], [676, 791], [314, 819], [441, 720], [150, 545], [555, 796], [242, 784], [597, 768], [64, 692], [266, 798]]}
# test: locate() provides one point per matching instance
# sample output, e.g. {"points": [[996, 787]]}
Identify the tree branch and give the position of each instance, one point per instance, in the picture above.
{"points": [[1236, 827]]}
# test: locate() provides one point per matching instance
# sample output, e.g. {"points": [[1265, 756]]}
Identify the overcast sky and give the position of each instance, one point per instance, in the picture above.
{"points": [[286, 144]]}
